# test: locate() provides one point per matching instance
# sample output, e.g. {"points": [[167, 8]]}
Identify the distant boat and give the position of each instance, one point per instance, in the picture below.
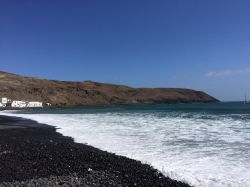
{"points": [[245, 102]]}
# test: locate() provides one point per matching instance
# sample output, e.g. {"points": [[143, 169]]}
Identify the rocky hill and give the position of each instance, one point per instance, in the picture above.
{"points": [[65, 93]]}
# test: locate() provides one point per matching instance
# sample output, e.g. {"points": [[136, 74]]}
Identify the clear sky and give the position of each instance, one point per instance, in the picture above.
{"points": [[204, 45]]}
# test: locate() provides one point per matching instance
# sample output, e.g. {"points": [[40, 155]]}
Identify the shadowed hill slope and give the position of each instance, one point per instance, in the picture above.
{"points": [[65, 93]]}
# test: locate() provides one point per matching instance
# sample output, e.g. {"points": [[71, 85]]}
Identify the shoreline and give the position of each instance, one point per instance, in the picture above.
{"points": [[115, 105], [34, 154]]}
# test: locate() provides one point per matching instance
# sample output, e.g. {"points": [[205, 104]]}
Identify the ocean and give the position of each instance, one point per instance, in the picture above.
{"points": [[204, 145]]}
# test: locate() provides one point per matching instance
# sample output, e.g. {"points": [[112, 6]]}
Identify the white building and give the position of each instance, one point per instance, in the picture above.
{"points": [[18, 104], [35, 104], [4, 100]]}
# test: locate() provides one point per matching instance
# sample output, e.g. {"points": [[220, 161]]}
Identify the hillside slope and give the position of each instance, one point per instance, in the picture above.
{"points": [[65, 93]]}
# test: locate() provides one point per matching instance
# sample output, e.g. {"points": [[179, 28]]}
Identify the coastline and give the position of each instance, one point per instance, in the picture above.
{"points": [[34, 154]]}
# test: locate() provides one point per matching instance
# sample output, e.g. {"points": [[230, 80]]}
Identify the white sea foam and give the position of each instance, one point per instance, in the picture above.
{"points": [[202, 150]]}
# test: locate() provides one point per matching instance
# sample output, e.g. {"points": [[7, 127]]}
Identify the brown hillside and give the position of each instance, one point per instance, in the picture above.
{"points": [[64, 93]]}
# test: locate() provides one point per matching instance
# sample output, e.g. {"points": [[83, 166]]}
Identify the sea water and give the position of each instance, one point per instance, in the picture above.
{"points": [[201, 144]]}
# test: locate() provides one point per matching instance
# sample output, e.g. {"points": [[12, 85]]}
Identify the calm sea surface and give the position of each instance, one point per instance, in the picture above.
{"points": [[201, 144]]}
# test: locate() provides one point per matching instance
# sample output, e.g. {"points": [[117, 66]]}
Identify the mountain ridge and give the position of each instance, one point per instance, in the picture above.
{"points": [[85, 93]]}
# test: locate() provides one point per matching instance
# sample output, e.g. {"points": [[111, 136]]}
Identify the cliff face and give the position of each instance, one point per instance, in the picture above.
{"points": [[63, 93]]}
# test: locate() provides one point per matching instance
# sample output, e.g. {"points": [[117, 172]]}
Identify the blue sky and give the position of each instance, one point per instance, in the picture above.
{"points": [[204, 45]]}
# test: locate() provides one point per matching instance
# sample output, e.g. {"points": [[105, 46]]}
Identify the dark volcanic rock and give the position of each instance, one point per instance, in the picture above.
{"points": [[62, 93], [37, 155]]}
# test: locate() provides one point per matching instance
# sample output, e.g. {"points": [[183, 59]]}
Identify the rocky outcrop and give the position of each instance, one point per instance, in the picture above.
{"points": [[66, 93]]}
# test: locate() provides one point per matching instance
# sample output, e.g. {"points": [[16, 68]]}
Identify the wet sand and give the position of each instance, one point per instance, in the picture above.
{"points": [[33, 154]]}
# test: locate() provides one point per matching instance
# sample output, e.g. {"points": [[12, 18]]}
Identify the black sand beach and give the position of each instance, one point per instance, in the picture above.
{"points": [[33, 154]]}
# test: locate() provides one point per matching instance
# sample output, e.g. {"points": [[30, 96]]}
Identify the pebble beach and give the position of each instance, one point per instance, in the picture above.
{"points": [[33, 154]]}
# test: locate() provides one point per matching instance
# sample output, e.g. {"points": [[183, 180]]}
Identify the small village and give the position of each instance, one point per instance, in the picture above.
{"points": [[8, 103]]}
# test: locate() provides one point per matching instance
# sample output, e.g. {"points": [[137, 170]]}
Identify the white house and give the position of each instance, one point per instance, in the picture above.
{"points": [[4, 100], [35, 104], [18, 104]]}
